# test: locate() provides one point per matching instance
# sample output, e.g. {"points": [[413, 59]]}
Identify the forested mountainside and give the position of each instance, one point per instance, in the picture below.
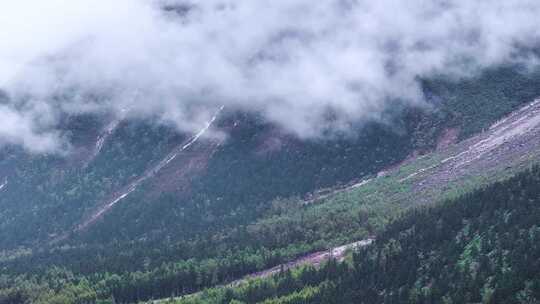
{"points": [[140, 212], [482, 247], [256, 164]]}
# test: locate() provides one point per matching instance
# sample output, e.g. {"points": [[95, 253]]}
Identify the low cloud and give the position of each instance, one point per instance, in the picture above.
{"points": [[292, 60]]}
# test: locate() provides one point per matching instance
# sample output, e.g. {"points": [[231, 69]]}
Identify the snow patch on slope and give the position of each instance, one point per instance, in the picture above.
{"points": [[4, 184], [148, 174]]}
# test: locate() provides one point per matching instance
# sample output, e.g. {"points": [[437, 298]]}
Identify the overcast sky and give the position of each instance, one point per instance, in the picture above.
{"points": [[292, 60]]}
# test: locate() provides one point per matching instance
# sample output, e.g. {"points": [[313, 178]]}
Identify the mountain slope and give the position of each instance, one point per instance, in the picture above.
{"points": [[227, 207], [481, 247]]}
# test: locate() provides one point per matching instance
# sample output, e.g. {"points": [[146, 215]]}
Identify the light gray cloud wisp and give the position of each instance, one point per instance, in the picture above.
{"points": [[292, 60]]}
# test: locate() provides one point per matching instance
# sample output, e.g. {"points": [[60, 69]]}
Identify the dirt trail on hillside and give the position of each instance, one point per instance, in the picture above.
{"points": [[314, 259]]}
